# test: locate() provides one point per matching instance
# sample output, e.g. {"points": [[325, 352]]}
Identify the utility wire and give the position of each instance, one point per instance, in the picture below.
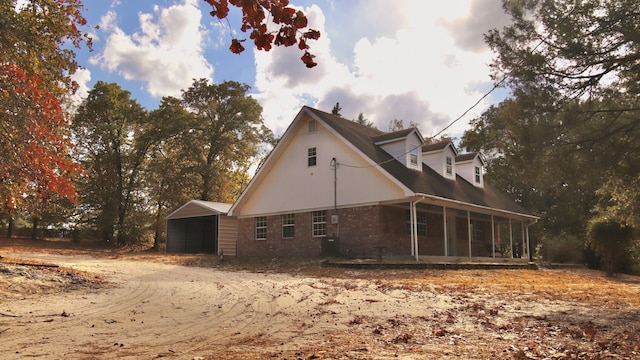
{"points": [[496, 85]]}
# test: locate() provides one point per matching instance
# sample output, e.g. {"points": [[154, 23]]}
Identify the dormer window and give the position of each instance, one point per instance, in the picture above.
{"points": [[449, 166], [413, 156], [477, 174]]}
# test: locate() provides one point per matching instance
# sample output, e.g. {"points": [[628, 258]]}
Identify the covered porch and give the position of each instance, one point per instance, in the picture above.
{"points": [[446, 231]]}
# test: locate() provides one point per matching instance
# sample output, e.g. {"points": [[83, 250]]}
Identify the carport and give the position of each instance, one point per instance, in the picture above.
{"points": [[202, 227]]}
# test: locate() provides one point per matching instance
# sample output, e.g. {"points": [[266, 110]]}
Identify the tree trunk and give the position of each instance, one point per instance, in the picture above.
{"points": [[206, 188], [12, 224], [156, 236], [34, 227]]}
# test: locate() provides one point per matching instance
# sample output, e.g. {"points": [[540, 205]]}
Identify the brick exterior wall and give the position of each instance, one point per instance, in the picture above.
{"points": [[358, 231]]}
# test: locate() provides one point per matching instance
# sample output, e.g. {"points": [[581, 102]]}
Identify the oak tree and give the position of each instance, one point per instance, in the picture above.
{"points": [[225, 136], [37, 39], [110, 130]]}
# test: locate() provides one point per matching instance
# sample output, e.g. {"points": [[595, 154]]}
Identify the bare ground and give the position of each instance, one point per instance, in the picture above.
{"points": [[91, 302]]}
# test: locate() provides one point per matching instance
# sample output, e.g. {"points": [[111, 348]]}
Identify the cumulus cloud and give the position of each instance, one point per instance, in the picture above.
{"points": [[166, 53], [82, 77], [483, 16], [419, 73]]}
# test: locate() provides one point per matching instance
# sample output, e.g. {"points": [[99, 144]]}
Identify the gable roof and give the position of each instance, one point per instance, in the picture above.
{"points": [[197, 208], [439, 146], [396, 135], [426, 182], [470, 157]]}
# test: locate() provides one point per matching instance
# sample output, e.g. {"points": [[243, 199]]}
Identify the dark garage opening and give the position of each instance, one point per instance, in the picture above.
{"points": [[193, 235]]}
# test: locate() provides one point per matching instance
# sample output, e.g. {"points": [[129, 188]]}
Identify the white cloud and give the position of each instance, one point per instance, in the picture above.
{"points": [[482, 16], [166, 53], [82, 77], [419, 73]]}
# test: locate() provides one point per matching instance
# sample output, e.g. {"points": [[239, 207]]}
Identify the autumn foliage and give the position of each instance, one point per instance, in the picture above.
{"points": [[254, 21], [34, 141], [36, 61]]}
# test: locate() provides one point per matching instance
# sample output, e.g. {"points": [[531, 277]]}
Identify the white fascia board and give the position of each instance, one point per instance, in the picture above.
{"points": [[215, 208]]}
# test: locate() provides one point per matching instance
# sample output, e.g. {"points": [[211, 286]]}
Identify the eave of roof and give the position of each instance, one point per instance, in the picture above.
{"points": [[215, 208]]}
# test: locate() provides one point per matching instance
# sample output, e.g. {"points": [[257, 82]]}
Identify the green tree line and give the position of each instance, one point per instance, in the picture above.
{"points": [[566, 142]]}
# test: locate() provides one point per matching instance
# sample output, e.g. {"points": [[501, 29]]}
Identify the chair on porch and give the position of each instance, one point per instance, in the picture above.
{"points": [[490, 249]]}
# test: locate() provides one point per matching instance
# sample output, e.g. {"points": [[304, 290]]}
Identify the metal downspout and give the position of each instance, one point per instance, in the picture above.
{"points": [[415, 226], [469, 230], [413, 232]]}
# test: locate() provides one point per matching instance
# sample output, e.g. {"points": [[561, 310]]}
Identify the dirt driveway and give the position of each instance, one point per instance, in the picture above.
{"points": [[148, 307]]}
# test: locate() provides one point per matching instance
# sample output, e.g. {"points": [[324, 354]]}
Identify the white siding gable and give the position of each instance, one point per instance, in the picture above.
{"points": [[443, 161], [472, 170], [287, 183], [406, 150]]}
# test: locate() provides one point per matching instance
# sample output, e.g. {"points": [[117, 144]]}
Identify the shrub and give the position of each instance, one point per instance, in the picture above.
{"points": [[612, 241]]}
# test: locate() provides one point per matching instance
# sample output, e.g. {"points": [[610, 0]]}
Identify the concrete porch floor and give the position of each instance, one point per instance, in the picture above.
{"points": [[430, 262]]}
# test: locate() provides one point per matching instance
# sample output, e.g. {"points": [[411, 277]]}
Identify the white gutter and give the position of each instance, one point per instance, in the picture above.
{"points": [[414, 227], [438, 198]]}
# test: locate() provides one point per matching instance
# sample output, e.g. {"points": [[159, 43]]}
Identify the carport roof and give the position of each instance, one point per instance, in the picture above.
{"points": [[197, 208]]}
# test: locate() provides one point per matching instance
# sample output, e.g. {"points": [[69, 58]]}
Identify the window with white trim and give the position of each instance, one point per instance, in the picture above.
{"points": [[477, 170], [311, 157], [319, 223], [261, 228], [477, 231], [288, 225], [413, 155], [421, 222], [449, 166]]}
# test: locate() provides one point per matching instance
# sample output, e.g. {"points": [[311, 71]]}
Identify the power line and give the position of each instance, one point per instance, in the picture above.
{"points": [[496, 85]]}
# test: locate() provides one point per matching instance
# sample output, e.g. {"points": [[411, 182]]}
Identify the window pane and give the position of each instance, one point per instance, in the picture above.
{"points": [[413, 156], [288, 226], [421, 222], [261, 228], [319, 223], [311, 156]]}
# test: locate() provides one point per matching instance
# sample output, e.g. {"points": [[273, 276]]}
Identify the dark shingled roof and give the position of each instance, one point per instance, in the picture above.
{"points": [[435, 146], [392, 135], [466, 157], [427, 181]]}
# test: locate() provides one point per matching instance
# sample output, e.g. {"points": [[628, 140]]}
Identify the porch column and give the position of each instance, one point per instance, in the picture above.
{"points": [[511, 238], [446, 246], [525, 249], [469, 230], [413, 227], [528, 245], [493, 238]]}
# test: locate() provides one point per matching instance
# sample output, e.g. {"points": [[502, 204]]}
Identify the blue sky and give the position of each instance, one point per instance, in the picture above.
{"points": [[419, 61]]}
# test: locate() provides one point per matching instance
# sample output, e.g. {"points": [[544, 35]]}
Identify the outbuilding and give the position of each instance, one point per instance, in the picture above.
{"points": [[202, 227]]}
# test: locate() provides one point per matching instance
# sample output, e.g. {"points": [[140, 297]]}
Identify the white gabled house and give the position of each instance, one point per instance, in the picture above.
{"points": [[334, 187]]}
